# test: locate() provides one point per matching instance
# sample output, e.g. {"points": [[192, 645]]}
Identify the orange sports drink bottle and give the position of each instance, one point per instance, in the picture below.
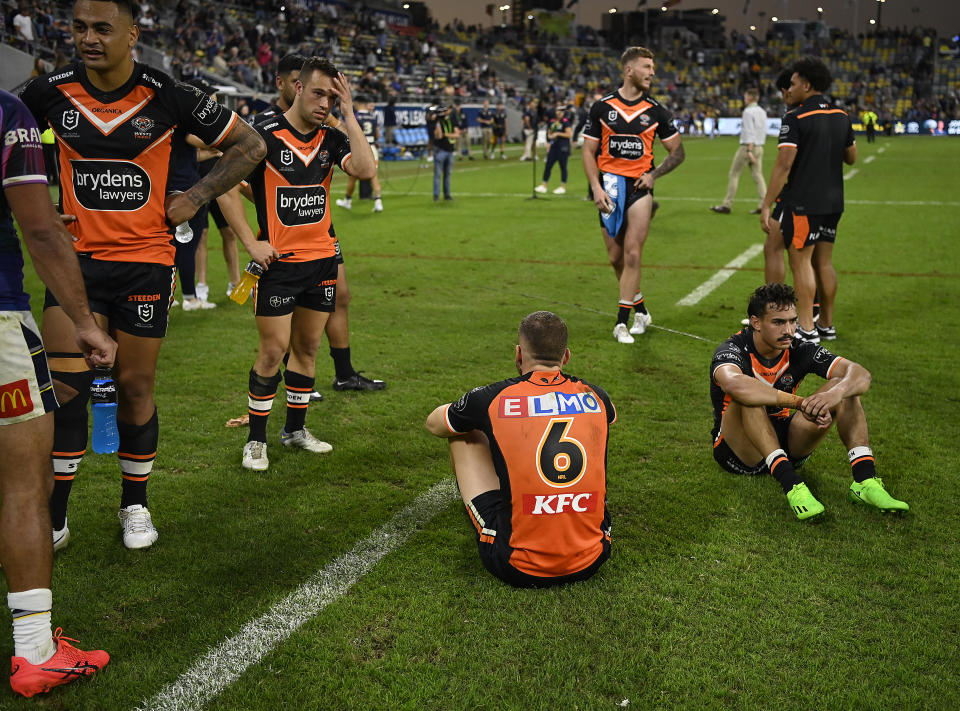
{"points": [[251, 275]]}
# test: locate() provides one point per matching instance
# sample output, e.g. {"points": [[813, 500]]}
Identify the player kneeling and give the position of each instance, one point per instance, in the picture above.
{"points": [[529, 454], [754, 375]]}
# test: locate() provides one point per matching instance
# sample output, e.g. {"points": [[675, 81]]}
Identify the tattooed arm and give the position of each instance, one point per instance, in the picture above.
{"points": [[674, 158], [242, 149]]}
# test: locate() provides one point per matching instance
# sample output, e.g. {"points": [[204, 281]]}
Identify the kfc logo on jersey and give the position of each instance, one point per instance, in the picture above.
{"points": [[627, 147], [549, 405], [298, 205], [110, 185], [70, 119], [569, 502]]}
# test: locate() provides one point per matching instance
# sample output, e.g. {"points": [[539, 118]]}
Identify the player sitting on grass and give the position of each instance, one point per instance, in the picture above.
{"points": [[754, 375]]}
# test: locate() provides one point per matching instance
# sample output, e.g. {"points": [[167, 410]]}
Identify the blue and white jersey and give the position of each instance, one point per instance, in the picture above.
{"points": [[369, 123]]}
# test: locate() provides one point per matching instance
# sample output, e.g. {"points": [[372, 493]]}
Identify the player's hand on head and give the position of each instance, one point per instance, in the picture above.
{"points": [[341, 87]]}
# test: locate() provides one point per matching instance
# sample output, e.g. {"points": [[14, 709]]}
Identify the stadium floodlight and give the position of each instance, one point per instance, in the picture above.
{"points": [[774, 18], [872, 21], [819, 9], [406, 6], [753, 28], [612, 11], [663, 8], [715, 11]]}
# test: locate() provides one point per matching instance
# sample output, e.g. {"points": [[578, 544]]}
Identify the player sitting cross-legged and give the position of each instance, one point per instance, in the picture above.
{"points": [[529, 454], [754, 377]]}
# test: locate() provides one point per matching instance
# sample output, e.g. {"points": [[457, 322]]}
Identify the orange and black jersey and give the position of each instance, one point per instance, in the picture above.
{"points": [[784, 373], [115, 151], [821, 132], [625, 131], [291, 188], [548, 439]]}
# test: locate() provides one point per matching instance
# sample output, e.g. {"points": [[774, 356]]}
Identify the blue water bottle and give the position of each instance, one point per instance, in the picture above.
{"points": [[103, 399]]}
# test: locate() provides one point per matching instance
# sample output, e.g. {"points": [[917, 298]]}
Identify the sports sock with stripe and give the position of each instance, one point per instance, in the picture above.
{"points": [[298, 387], [32, 638], [782, 470], [137, 452], [259, 401], [69, 441], [638, 303], [862, 463], [623, 311]]}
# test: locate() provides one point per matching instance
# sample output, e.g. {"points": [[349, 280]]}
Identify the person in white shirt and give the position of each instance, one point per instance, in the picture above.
{"points": [[753, 133], [23, 24]]}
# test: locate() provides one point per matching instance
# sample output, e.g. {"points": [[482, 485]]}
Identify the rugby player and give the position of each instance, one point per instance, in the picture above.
{"points": [[816, 140], [753, 380], [297, 293], [338, 325], [41, 659], [116, 122], [618, 160], [529, 454], [367, 118]]}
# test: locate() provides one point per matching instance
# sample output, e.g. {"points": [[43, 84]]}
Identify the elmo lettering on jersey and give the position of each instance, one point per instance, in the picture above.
{"points": [[548, 405], [568, 502]]}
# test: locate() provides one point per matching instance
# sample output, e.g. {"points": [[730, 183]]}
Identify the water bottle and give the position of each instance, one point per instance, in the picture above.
{"points": [[251, 275], [183, 233], [103, 398]]}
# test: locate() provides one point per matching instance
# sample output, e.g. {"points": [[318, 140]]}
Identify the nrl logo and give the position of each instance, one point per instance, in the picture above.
{"points": [[612, 116], [286, 157], [71, 119], [145, 312], [143, 124]]}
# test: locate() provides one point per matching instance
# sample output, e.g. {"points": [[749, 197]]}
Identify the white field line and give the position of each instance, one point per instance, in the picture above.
{"points": [[849, 175], [226, 662], [881, 150], [869, 159], [721, 276], [707, 201]]}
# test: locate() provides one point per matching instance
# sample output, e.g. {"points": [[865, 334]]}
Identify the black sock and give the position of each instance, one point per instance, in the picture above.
{"points": [[341, 362], [623, 312], [862, 463], [782, 470], [638, 303], [69, 442], [138, 450], [298, 387], [259, 401]]}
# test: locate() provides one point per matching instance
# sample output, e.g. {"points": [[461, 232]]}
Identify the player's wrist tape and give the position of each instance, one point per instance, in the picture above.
{"points": [[788, 400]]}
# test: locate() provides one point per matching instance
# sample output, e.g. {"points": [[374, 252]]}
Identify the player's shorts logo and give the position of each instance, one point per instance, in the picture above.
{"points": [[286, 156], [145, 312], [15, 399], [111, 185], [71, 119], [276, 302], [301, 205], [328, 293]]}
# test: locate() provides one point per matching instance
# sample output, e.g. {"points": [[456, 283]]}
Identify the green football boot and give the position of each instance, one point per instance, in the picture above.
{"points": [[870, 492], [803, 503]]}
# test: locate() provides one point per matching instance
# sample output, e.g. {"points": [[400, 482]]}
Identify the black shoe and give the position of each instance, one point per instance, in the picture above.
{"points": [[756, 212], [721, 209], [358, 382]]}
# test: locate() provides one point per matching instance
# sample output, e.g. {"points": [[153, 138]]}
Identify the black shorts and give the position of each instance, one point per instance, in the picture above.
{"points": [[632, 196], [285, 285], [339, 255], [725, 457], [493, 510], [134, 296], [198, 223], [800, 231], [217, 214]]}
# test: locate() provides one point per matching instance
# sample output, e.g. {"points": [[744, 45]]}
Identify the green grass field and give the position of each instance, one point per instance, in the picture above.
{"points": [[715, 596]]}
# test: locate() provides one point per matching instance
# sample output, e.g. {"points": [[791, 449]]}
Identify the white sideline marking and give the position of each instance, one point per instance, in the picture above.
{"points": [[881, 150], [721, 276], [224, 664], [869, 159], [849, 175]]}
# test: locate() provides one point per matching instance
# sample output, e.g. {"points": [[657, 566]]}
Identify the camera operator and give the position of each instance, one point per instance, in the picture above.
{"points": [[444, 132]]}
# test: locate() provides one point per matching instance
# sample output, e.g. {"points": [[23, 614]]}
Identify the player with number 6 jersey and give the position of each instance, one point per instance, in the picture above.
{"points": [[530, 457]]}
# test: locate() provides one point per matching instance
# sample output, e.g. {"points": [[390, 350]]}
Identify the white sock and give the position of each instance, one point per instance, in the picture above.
{"points": [[859, 452], [32, 637], [774, 455]]}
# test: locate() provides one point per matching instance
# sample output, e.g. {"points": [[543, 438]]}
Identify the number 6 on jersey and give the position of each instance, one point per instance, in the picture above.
{"points": [[561, 460]]}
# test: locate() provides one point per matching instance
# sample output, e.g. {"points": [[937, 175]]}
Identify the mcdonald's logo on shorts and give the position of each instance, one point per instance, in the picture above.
{"points": [[15, 399]]}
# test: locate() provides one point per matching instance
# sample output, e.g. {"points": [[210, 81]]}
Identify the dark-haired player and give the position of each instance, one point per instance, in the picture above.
{"points": [[40, 659], [338, 325], [754, 376], [618, 160], [291, 190], [367, 118], [115, 122], [816, 139], [529, 454]]}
